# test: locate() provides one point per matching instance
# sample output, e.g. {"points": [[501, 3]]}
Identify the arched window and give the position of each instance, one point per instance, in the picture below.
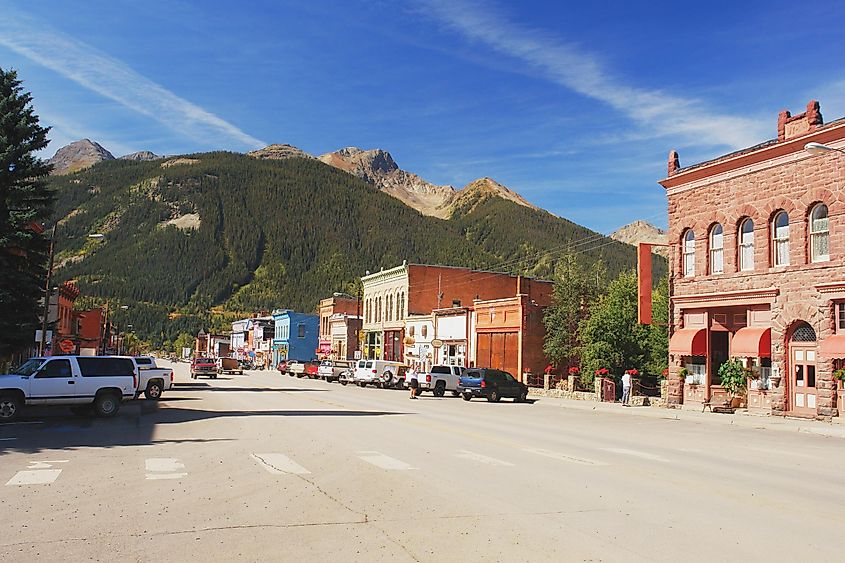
{"points": [[746, 245], [366, 310], [717, 247], [398, 316], [402, 306], [424, 331], [389, 312], [689, 254], [780, 239], [819, 234], [378, 314]]}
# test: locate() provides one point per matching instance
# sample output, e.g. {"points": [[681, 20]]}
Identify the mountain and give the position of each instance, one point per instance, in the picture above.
{"points": [[77, 156], [141, 155], [484, 188], [232, 232], [279, 152], [642, 231]]}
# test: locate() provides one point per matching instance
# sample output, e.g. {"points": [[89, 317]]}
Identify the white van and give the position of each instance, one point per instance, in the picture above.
{"points": [[380, 373]]}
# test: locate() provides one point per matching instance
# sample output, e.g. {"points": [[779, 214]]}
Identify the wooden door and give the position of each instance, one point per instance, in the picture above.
{"points": [[482, 354], [497, 350], [511, 354], [803, 379]]}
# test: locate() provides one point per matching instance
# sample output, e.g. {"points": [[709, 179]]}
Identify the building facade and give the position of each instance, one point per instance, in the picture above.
{"points": [[344, 330], [338, 304], [453, 328], [757, 265], [419, 350], [295, 336], [238, 339]]}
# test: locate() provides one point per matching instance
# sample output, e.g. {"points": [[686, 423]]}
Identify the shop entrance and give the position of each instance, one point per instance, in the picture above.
{"points": [[802, 370]]}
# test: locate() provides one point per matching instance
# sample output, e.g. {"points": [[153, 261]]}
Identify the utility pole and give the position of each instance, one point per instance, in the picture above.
{"points": [[47, 292]]}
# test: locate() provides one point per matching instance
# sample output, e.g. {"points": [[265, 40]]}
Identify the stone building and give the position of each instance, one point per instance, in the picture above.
{"points": [[337, 304], [757, 262]]}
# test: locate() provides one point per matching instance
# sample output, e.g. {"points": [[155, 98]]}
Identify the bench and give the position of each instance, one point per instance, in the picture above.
{"points": [[720, 404]]}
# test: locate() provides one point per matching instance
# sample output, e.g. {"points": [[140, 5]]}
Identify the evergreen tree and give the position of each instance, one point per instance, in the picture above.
{"points": [[25, 200]]}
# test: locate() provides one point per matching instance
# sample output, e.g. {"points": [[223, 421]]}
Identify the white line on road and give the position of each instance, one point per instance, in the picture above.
{"points": [[635, 453], [37, 477], [45, 464], [562, 457], [7, 439], [385, 462], [279, 464], [164, 468], [466, 454]]}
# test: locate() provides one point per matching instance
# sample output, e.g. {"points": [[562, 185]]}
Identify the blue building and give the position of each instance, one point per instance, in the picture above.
{"points": [[297, 336]]}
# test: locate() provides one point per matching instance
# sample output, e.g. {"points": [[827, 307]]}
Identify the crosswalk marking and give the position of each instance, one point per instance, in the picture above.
{"points": [[385, 462], [279, 464], [562, 457], [466, 454], [164, 468], [636, 453], [35, 477]]}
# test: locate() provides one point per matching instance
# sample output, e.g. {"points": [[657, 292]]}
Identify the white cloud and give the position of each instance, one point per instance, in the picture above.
{"points": [[580, 71], [115, 80]]}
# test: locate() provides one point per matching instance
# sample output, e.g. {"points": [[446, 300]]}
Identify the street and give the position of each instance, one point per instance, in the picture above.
{"points": [[269, 467]]}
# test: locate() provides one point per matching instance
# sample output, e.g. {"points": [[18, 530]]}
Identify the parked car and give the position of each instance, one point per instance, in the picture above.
{"points": [[492, 384], [99, 383], [312, 369], [381, 373], [229, 365], [282, 366], [203, 366], [152, 380], [330, 369], [440, 379], [296, 368], [347, 375]]}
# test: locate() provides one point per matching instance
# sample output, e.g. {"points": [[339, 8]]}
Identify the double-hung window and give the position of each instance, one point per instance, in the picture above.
{"points": [[689, 254], [819, 234], [746, 245], [717, 248], [780, 239]]}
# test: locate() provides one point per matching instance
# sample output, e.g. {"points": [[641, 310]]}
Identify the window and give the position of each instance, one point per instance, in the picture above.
{"points": [[55, 368], [424, 331], [746, 245], [819, 234], [109, 367], [717, 245], [689, 254], [780, 239], [378, 310], [402, 305], [300, 330], [389, 313], [398, 315], [840, 317]]}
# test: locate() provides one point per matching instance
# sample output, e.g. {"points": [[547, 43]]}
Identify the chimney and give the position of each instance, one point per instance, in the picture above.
{"points": [[674, 162], [791, 126]]}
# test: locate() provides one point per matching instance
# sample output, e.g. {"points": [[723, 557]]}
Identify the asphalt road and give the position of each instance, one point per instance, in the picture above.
{"points": [[268, 467]]}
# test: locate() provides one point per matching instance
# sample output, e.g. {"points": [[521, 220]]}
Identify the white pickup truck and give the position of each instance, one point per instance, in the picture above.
{"points": [[100, 383], [441, 379], [152, 380]]}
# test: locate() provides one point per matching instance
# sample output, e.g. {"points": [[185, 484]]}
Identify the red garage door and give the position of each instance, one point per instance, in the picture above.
{"points": [[499, 350]]}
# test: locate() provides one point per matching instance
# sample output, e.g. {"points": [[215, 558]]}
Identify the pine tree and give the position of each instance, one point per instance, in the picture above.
{"points": [[25, 200]]}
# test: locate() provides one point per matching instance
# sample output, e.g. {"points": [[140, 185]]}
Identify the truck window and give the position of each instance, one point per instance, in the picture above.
{"points": [[105, 366], [446, 370], [143, 361], [55, 368], [29, 367]]}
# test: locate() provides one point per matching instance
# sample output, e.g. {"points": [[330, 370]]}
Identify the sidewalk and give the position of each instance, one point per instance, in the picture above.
{"points": [[834, 429]]}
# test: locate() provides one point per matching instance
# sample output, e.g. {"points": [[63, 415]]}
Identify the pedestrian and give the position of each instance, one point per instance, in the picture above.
{"points": [[626, 389], [412, 381]]}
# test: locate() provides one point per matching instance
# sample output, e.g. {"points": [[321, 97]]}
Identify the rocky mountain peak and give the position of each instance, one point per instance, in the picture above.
{"points": [[279, 152], [642, 231], [78, 155], [489, 186], [140, 155]]}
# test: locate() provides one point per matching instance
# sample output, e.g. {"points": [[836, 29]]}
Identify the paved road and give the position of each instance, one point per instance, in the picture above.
{"points": [[267, 467]]}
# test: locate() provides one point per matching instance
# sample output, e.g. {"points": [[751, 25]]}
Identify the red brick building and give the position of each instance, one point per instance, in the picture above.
{"points": [[757, 268], [337, 304]]}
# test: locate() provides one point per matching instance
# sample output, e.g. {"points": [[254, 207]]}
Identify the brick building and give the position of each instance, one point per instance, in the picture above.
{"points": [[390, 296], [757, 266], [337, 304]]}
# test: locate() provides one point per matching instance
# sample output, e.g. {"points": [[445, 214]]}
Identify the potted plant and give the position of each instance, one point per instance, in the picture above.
{"points": [[734, 378], [602, 372], [574, 370], [840, 376]]}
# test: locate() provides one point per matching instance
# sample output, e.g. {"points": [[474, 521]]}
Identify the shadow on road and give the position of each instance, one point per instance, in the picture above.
{"points": [[207, 387]]}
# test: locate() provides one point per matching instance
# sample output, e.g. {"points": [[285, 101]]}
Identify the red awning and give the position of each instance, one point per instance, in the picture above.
{"points": [[833, 347], [752, 342], [689, 342]]}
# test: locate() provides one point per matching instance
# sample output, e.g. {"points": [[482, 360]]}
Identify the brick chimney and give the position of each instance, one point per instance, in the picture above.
{"points": [[790, 126], [674, 162]]}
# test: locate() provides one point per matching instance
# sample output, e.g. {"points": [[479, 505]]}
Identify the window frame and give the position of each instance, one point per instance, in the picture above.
{"points": [[742, 244], [816, 235], [776, 240], [688, 254], [839, 317], [716, 251]]}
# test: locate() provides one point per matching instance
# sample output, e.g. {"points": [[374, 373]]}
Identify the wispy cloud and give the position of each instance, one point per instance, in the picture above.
{"points": [[113, 79], [581, 71]]}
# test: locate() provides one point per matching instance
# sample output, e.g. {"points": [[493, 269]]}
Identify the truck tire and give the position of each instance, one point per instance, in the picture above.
{"points": [[494, 396], [521, 398], [153, 390], [362, 384], [343, 382], [456, 394], [10, 407], [439, 389], [467, 397], [106, 404]]}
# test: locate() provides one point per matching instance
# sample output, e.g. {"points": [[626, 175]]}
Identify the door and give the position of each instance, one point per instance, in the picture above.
{"points": [[54, 382], [482, 355], [510, 361], [802, 371]]}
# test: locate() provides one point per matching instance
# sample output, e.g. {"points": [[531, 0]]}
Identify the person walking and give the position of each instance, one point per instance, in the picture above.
{"points": [[626, 389], [412, 381]]}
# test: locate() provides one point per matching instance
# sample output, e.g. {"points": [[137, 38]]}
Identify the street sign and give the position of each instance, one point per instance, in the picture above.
{"points": [[67, 346], [437, 343], [357, 355]]}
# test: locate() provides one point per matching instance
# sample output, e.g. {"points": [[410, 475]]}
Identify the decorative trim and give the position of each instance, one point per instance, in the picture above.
{"points": [[830, 287], [767, 295]]}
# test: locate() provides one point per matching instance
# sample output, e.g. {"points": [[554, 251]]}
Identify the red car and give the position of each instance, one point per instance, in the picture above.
{"points": [[203, 366], [282, 366], [311, 369]]}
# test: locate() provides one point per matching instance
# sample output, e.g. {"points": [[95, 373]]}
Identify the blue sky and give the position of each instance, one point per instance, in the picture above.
{"points": [[573, 105]]}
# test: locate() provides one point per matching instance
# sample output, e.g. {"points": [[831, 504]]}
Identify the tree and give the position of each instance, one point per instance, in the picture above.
{"points": [[611, 336], [657, 345], [25, 201], [184, 340], [574, 290]]}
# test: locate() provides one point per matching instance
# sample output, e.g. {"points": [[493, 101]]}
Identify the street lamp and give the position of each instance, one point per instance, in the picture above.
{"points": [[818, 149]]}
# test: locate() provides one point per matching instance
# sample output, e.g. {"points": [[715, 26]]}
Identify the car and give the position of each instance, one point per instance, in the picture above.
{"points": [[492, 384], [312, 369], [440, 379], [85, 383], [203, 366], [330, 369], [295, 368], [282, 366]]}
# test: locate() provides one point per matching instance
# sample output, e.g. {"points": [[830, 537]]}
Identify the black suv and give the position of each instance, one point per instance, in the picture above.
{"points": [[492, 384]]}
